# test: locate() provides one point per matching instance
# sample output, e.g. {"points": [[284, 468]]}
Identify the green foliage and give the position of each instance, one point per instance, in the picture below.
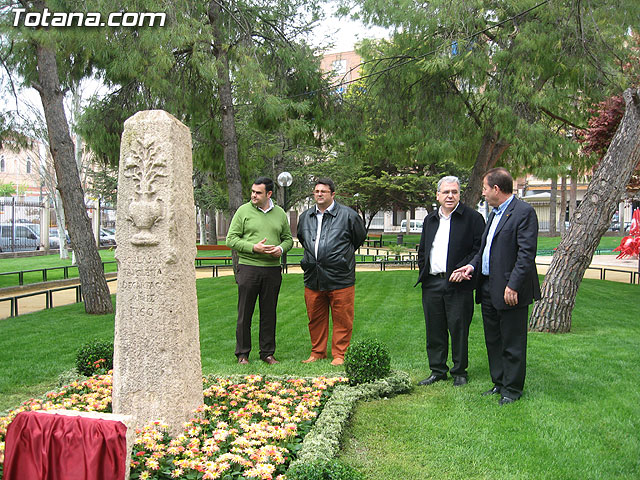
{"points": [[512, 95], [323, 470], [397, 249], [366, 361], [95, 358], [7, 189], [104, 183], [180, 68]]}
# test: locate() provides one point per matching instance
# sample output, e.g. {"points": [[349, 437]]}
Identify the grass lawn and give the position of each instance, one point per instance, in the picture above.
{"points": [[45, 261], [579, 417]]}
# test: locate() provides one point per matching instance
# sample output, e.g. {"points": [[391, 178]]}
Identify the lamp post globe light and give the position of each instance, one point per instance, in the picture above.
{"points": [[285, 179]]}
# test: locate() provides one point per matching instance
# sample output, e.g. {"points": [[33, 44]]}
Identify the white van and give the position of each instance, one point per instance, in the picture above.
{"points": [[415, 226], [19, 237]]}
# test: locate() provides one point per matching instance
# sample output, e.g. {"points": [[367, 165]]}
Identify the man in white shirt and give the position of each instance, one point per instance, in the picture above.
{"points": [[451, 237]]}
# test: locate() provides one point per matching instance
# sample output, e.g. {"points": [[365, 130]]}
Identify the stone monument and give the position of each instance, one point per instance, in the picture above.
{"points": [[157, 369]]}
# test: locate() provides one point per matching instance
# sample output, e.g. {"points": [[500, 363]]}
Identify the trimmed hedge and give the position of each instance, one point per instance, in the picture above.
{"points": [[322, 443], [321, 470], [366, 361]]}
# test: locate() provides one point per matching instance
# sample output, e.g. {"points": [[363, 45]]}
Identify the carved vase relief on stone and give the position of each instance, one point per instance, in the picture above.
{"points": [[146, 207]]}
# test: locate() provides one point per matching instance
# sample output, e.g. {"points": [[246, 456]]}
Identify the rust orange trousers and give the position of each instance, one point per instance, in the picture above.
{"points": [[342, 312]]}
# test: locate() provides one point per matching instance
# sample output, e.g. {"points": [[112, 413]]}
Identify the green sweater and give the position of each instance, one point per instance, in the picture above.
{"points": [[251, 225]]}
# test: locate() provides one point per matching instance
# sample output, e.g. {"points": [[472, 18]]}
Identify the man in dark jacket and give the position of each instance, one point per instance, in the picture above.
{"points": [[508, 282], [330, 233], [450, 238]]}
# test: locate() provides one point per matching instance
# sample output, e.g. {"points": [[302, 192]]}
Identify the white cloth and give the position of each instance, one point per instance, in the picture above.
{"points": [[319, 217], [440, 247]]}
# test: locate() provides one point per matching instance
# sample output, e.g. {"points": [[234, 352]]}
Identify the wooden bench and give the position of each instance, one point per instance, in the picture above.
{"points": [[225, 254], [373, 239]]}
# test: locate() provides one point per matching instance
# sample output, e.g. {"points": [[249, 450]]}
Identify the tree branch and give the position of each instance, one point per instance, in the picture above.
{"points": [[472, 113], [559, 118]]}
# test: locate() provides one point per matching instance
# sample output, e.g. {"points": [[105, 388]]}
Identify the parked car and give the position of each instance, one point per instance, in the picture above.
{"points": [[19, 237], [415, 226], [54, 238], [107, 237]]}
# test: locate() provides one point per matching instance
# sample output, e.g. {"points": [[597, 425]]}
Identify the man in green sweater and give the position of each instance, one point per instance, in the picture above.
{"points": [[260, 233]]}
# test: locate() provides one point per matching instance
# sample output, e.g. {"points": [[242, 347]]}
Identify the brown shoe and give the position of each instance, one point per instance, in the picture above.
{"points": [[312, 359], [243, 360], [270, 360], [337, 361]]}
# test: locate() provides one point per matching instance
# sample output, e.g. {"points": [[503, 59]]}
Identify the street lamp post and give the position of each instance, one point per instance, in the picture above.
{"points": [[285, 179]]}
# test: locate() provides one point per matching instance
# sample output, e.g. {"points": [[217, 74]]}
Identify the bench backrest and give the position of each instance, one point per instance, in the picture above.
{"points": [[213, 247]]}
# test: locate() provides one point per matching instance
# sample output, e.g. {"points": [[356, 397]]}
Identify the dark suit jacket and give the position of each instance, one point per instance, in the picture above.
{"points": [[465, 236], [513, 254]]}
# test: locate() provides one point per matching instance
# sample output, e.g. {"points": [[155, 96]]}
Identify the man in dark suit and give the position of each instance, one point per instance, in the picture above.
{"points": [[450, 238], [508, 282]]}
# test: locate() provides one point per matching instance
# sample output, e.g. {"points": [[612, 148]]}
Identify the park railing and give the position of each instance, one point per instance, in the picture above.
{"points": [[45, 272], [385, 260], [48, 294]]}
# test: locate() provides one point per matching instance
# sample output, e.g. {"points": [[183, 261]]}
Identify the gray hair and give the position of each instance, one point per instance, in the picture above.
{"points": [[448, 179]]}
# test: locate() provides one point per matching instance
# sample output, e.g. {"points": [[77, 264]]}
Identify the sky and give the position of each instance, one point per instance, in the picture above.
{"points": [[343, 32]]}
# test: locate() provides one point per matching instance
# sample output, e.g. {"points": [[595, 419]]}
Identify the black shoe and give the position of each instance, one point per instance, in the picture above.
{"points": [[459, 381], [432, 379], [505, 400], [493, 391]]}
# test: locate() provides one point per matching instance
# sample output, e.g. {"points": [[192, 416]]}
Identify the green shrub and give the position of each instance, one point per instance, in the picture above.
{"points": [[366, 361], [95, 358], [323, 470]]}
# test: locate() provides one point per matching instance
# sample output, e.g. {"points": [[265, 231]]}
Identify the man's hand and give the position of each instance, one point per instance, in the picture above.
{"points": [[462, 273], [273, 250], [260, 247], [510, 297]]}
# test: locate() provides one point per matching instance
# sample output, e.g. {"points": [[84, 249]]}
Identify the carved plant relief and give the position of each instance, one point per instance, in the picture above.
{"points": [[146, 207]]}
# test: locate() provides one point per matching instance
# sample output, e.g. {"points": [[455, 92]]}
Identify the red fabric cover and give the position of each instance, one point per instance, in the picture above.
{"points": [[41, 446]]}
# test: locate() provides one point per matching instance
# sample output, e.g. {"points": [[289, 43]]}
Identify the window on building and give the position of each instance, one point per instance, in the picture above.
{"points": [[340, 67], [2, 163], [28, 166]]}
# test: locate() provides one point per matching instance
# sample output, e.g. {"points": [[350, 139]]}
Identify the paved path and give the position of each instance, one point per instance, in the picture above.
{"points": [[65, 297]]}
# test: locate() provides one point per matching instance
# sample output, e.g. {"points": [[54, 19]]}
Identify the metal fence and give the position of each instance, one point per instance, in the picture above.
{"points": [[19, 224], [21, 221]]}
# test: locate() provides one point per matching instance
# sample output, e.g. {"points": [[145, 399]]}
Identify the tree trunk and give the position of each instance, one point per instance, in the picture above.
{"points": [[225, 94], [213, 227], [591, 220], [573, 196], [553, 207], [621, 231], [95, 290], [490, 152], [563, 206], [213, 224], [62, 225]]}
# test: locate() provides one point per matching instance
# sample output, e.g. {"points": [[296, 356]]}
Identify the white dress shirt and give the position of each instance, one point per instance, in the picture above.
{"points": [[319, 217], [440, 246]]}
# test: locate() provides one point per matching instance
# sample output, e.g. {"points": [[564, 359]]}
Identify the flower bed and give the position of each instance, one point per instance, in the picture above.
{"points": [[248, 427]]}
